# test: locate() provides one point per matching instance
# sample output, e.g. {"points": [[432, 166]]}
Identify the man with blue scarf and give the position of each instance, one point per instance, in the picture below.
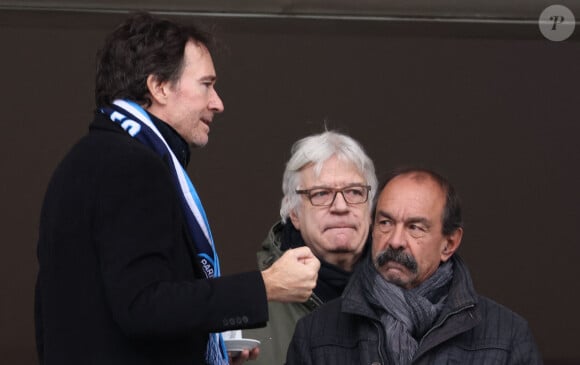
{"points": [[128, 270]]}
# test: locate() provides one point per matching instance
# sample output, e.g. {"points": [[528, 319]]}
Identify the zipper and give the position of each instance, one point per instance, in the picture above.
{"points": [[440, 323], [313, 302], [378, 327]]}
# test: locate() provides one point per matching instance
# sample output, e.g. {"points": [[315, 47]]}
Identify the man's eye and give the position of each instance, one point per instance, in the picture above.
{"points": [[417, 231], [319, 193], [384, 222], [354, 192]]}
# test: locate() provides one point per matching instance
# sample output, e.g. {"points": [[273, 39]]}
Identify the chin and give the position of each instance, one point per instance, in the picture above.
{"points": [[395, 279], [199, 142], [342, 243]]}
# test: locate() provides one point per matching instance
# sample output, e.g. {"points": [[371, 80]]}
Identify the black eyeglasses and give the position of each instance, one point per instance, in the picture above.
{"points": [[324, 197]]}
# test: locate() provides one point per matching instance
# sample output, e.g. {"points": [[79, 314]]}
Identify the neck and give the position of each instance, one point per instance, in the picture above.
{"points": [[343, 260]]}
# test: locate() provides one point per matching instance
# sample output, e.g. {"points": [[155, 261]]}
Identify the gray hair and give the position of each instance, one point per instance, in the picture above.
{"points": [[316, 150]]}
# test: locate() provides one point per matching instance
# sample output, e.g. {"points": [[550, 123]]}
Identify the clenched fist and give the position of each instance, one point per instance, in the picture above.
{"points": [[292, 277]]}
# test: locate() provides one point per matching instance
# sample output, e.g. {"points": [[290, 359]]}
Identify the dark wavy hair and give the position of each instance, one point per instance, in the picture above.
{"points": [[452, 218], [142, 45]]}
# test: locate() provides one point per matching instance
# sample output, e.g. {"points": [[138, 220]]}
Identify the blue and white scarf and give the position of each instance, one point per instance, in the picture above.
{"points": [[137, 123]]}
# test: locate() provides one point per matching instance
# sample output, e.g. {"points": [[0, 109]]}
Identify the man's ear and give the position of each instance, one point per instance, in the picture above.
{"points": [[157, 90], [294, 219], [452, 242]]}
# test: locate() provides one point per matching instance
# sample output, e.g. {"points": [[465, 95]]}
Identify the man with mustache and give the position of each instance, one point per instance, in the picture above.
{"points": [[412, 300], [328, 187]]}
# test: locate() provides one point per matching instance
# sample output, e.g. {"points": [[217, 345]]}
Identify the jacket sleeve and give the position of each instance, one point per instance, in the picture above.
{"points": [[142, 248], [299, 349]]}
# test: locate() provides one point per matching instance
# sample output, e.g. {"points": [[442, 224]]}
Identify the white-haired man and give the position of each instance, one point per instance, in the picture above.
{"points": [[328, 185]]}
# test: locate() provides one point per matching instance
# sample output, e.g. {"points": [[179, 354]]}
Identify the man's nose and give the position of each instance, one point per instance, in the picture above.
{"points": [[339, 202], [216, 104], [397, 237]]}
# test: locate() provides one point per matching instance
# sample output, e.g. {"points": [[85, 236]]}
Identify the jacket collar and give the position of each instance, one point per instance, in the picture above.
{"points": [[177, 144], [462, 295], [460, 312]]}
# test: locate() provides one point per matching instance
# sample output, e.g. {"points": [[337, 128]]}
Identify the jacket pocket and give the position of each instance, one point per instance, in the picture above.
{"points": [[479, 352]]}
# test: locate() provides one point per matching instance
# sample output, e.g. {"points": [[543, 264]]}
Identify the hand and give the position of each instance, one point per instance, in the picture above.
{"points": [[244, 356], [292, 277]]}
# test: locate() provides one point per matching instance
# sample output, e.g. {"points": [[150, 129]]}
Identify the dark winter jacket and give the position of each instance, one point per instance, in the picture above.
{"points": [[471, 329], [118, 279]]}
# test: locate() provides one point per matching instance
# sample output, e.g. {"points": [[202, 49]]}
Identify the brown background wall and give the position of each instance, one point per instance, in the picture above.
{"points": [[494, 107]]}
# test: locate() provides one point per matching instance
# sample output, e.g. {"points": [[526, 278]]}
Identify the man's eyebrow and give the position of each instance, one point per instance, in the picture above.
{"points": [[316, 187], [326, 187], [421, 220], [211, 78], [355, 185], [409, 220], [384, 214]]}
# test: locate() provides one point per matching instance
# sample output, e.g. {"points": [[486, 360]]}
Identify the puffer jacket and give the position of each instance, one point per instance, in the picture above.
{"points": [[471, 329]]}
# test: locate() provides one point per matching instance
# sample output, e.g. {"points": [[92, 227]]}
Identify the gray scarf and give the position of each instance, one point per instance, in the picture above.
{"points": [[406, 315]]}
